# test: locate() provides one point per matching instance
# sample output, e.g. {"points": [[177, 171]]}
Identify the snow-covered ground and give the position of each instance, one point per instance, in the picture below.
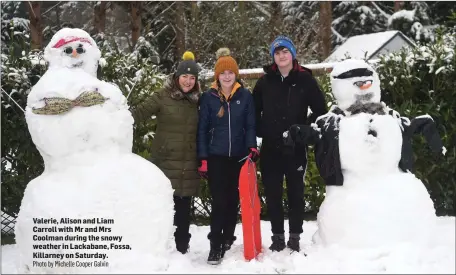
{"points": [[437, 259]]}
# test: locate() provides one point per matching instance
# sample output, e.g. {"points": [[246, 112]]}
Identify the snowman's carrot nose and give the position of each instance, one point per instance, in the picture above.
{"points": [[74, 53], [366, 86]]}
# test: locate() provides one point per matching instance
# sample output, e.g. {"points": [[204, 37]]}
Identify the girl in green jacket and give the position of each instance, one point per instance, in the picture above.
{"points": [[174, 145]]}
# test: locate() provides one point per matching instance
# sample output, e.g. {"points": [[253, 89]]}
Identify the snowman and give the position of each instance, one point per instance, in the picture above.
{"points": [[97, 207], [363, 151]]}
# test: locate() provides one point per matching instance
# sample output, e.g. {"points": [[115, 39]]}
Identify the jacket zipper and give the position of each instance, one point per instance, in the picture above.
{"points": [[212, 136], [229, 128]]}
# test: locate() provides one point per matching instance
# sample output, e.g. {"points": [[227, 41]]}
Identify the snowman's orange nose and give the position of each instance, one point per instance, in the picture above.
{"points": [[366, 86], [74, 53]]}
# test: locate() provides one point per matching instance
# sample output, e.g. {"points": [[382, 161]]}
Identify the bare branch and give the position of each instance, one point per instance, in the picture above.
{"points": [[380, 10], [338, 35], [170, 44], [162, 30], [51, 8], [31, 9], [261, 8], [161, 13]]}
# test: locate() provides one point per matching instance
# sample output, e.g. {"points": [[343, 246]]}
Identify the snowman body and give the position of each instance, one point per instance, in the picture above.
{"points": [[378, 204], [112, 210]]}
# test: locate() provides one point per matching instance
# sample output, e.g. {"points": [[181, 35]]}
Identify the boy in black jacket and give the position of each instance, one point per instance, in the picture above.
{"points": [[282, 98]]}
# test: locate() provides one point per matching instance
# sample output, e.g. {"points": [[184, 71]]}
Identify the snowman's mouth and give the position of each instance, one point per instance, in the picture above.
{"points": [[77, 64], [372, 133]]}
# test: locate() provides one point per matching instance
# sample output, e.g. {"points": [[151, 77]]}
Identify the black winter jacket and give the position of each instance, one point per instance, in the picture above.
{"points": [[281, 102]]}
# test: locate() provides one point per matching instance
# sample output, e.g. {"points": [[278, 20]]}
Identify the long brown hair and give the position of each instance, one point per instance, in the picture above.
{"points": [[221, 111]]}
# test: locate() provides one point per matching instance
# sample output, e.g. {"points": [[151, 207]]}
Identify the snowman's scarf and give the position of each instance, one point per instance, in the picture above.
{"points": [[60, 105], [371, 108]]}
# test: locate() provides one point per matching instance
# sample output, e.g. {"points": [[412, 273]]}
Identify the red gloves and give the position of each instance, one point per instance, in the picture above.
{"points": [[254, 154], [202, 169]]}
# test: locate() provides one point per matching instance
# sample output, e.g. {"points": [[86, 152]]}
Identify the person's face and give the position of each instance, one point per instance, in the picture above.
{"points": [[187, 82], [226, 79], [283, 57]]}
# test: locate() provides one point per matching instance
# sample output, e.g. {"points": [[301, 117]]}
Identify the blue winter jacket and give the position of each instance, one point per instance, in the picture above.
{"points": [[233, 133]]}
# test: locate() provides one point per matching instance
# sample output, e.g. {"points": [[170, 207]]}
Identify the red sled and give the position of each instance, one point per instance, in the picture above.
{"points": [[250, 210]]}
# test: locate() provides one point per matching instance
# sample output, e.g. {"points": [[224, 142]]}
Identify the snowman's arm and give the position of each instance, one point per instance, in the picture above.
{"points": [[301, 135], [148, 108], [426, 126], [326, 151]]}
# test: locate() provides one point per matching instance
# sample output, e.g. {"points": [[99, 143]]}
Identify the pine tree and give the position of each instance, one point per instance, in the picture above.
{"points": [[413, 21]]}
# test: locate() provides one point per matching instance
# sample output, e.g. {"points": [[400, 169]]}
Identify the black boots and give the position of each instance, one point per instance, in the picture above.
{"points": [[227, 245], [215, 255], [219, 245], [278, 242], [293, 242], [182, 242]]}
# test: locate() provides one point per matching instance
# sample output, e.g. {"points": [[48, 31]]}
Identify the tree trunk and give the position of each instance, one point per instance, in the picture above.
{"points": [[195, 11], [135, 11], [274, 20], [325, 28], [192, 27], [398, 5], [36, 28], [100, 17], [180, 29]]}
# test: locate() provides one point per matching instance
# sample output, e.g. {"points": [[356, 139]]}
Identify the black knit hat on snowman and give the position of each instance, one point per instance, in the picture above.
{"points": [[188, 65]]}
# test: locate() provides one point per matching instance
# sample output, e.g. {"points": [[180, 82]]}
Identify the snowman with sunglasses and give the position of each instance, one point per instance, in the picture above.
{"points": [[121, 203], [363, 152]]}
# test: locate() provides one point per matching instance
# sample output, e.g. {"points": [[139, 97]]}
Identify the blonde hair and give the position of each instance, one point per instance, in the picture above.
{"points": [[221, 111]]}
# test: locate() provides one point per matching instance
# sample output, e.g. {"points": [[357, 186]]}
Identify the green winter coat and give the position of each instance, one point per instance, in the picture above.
{"points": [[174, 146]]}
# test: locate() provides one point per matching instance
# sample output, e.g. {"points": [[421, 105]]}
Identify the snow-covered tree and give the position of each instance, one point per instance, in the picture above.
{"points": [[355, 18], [413, 21]]}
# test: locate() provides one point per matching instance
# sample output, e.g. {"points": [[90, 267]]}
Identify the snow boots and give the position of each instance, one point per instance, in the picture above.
{"points": [[215, 254], [182, 242], [293, 242], [278, 242]]}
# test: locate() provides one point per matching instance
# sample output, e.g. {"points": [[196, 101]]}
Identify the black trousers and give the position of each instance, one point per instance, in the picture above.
{"points": [[182, 206], [274, 166], [223, 173]]}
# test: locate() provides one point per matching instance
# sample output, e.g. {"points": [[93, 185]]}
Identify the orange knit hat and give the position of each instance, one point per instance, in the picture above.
{"points": [[225, 62]]}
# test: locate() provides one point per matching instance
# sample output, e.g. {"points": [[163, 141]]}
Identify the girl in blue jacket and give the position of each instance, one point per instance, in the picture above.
{"points": [[226, 135]]}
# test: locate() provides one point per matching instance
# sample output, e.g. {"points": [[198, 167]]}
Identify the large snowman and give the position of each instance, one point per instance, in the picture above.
{"points": [[83, 129], [363, 153]]}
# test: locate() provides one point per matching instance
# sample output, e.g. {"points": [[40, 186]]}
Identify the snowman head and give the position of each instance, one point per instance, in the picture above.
{"points": [[354, 81], [73, 48]]}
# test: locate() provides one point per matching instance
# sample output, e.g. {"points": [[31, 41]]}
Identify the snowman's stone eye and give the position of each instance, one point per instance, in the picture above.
{"points": [[359, 83], [80, 50], [68, 50]]}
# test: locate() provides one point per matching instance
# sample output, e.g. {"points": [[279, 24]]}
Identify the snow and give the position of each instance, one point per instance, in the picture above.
{"points": [[88, 163], [408, 15], [361, 46], [438, 259]]}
